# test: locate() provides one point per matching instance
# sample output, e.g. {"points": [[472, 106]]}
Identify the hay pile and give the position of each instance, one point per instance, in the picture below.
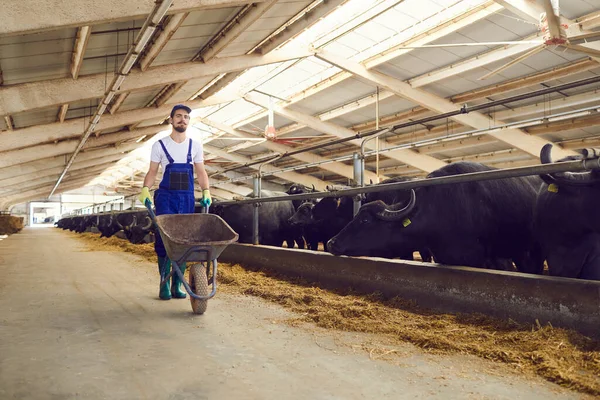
{"points": [[10, 224], [561, 356]]}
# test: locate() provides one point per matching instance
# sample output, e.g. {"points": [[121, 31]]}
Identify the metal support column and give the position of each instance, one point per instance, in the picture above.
{"points": [[255, 220], [358, 163]]}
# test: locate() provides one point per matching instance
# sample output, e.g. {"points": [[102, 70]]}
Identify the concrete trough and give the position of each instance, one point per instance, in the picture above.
{"points": [[570, 303]]}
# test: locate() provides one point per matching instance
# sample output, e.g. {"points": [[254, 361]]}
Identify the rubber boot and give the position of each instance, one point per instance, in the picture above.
{"points": [[164, 267], [176, 291]]}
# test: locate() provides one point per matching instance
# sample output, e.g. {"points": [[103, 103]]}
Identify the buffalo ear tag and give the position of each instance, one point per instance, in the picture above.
{"points": [[553, 188], [406, 222]]}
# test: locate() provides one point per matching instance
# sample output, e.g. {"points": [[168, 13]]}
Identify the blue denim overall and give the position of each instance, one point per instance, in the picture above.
{"points": [[175, 193]]}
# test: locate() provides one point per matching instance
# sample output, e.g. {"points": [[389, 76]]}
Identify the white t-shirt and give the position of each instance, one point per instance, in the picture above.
{"points": [[178, 151]]}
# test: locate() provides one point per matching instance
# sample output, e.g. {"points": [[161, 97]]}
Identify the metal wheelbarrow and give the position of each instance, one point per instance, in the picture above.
{"points": [[198, 239]]}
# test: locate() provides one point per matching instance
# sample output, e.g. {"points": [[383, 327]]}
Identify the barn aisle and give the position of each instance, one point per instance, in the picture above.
{"points": [[82, 324]]}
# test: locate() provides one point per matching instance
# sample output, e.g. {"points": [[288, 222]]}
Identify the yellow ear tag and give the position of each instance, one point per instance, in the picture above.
{"points": [[406, 222], [553, 188]]}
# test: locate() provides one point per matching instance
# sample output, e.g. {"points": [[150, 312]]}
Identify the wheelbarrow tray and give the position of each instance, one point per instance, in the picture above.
{"points": [[198, 237]]}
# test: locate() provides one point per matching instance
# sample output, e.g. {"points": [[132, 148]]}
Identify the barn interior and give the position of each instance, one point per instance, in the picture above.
{"points": [[292, 92]]}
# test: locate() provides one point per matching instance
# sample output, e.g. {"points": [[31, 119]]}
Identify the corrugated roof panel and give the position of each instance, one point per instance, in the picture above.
{"points": [[139, 99], [36, 117], [408, 62], [189, 89], [576, 8], [36, 57]]}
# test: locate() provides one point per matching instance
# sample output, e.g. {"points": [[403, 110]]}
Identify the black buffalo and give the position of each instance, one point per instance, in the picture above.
{"points": [[478, 224], [298, 188], [567, 221], [135, 224], [273, 227], [390, 197], [323, 220]]}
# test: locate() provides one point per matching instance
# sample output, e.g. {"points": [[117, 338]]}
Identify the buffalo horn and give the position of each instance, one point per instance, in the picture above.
{"points": [[148, 225], [396, 215], [564, 178]]}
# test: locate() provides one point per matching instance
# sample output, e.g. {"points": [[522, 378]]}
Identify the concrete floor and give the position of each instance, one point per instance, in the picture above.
{"points": [[80, 324]]}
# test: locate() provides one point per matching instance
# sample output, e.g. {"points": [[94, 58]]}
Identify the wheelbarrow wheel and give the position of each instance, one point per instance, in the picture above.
{"points": [[199, 285]]}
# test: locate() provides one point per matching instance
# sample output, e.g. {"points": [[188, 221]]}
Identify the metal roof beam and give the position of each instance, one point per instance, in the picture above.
{"points": [[589, 21], [292, 177], [41, 164], [337, 168], [39, 193], [58, 169], [118, 101], [531, 10], [513, 137], [160, 42], [234, 30], [437, 32], [413, 158], [477, 61], [287, 32], [54, 92], [62, 112], [24, 155], [43, 180], [18, 18], [38, 134], [83, 36], [9, 123]]}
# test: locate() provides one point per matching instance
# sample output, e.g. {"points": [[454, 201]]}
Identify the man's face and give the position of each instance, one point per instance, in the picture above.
{"points": [[180, 120]]}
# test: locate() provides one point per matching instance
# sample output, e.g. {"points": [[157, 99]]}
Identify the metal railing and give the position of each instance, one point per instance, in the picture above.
{"points": [[568, 166]]}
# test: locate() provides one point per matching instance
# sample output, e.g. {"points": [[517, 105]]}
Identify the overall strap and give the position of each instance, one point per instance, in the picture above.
{"points": [[166, 152], [189, 155]]}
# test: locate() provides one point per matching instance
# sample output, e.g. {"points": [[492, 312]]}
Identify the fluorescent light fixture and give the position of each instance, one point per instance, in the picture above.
{"points": [[569, 116], [96, 119], [145, 36], [128, 63], [526, 124], [118, 81], [140, 139], [161, 11], [109, 97]]}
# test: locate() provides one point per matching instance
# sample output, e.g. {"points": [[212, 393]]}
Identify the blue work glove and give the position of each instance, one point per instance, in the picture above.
{"points": [[145, 195], [206, 200]]}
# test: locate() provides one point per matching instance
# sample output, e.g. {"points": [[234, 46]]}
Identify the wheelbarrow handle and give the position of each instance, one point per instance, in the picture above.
{"points": [[148, 205]]}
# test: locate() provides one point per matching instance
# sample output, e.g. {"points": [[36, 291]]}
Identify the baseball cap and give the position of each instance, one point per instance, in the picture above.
{"points": [[180, 107]]}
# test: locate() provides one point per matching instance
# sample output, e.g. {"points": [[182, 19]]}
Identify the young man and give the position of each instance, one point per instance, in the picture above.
{"points": [[180, 157]]}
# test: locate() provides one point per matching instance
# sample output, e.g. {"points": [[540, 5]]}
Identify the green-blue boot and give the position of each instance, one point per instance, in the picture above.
{"points": [[164, 268], [176, 291]]}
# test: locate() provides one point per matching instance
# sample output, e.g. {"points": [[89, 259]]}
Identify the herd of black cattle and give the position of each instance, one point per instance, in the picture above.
{"points": [[496, 224]]}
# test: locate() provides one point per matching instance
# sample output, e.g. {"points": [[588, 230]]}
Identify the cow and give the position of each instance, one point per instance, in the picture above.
{"points": [[298, 188], [567, 221], [273, 228], [107, 225], [391, 197], [478, 224], [323, 220], [135, 224]]}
